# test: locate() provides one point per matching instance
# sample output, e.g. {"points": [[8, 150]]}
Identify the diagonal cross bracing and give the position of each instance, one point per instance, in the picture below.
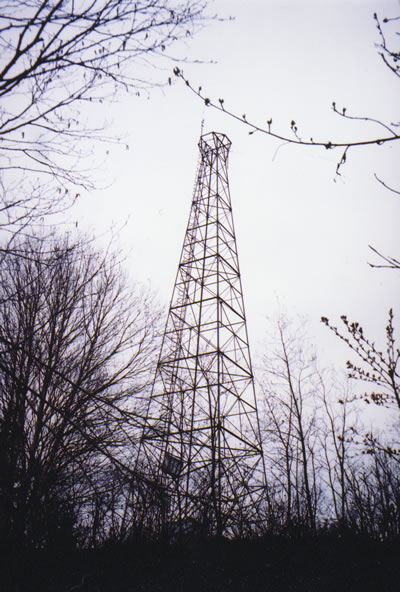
{"points": [[202, 436]]}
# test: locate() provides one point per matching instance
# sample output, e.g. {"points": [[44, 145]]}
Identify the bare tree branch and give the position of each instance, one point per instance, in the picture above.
{"points": [[328, 145], [391, 262], [386, 186], [56, 59], [391, 58], [76, 350], [380, 369]]}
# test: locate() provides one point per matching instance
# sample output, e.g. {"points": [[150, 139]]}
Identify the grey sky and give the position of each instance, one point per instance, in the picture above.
{"points": [[302, 237]]}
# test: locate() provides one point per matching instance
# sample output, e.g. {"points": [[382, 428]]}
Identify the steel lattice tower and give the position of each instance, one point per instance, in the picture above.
{"points": [[202, 434]]}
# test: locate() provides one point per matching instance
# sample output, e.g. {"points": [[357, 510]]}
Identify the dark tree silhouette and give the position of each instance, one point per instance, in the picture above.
{"points": [[76, 347], [324, 471]]}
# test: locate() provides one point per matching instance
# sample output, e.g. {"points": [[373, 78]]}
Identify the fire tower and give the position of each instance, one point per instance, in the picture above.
{"points": [[202, 435]]}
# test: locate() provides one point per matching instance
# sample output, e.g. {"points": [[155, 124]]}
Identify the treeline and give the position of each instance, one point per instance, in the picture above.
{"points": [[77, 341], [328, 470], [78, 345]]}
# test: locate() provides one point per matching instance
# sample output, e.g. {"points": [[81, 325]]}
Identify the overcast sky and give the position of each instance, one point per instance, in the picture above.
{"points": [[302, 234]]}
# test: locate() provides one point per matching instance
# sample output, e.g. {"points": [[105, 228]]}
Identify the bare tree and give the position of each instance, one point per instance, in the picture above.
{"points": [[324, 470], [55, 59], [379, 371], [374, 500], [338, 444], [291, 386], [77, 344]]}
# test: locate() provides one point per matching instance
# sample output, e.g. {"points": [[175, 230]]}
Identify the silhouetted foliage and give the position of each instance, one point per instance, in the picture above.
{"points": [[324, 471], [77, 342], [77, 345]]}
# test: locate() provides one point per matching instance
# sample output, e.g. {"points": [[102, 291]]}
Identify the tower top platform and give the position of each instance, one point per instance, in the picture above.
{"points": [[215, 141]]}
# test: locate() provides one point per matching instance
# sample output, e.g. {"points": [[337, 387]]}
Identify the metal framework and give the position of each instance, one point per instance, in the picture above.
{"points": [[202, 435]]}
